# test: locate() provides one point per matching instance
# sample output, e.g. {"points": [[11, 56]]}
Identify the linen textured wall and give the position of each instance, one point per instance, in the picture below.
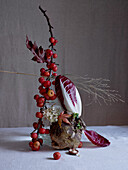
{"points": [[93, 41]]}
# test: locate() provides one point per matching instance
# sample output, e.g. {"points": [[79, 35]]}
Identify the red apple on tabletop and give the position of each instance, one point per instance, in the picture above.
{"points": [[57, 155]]}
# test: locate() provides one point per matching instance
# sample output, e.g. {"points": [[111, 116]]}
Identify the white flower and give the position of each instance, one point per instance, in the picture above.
{"points": [[52, 113]]}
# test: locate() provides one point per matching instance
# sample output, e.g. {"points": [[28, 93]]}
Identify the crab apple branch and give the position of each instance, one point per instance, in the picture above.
{"points": [[52, 40]]}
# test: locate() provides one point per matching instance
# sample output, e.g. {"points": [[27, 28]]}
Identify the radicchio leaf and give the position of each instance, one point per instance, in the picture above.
{"points": [[68, 94], [96, 138]]}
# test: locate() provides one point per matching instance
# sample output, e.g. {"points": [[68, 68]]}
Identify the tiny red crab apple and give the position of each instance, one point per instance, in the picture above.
{"points": [[80, 145], [53, 97], [46, 96], [35, 125], [47, 84], [46, 74], [33, 140], [40, 140], [40, 104], [40, 100], [55, 42], [52, 40], [57, 155], [34, 135], [53, 82], [48, 53], [47, 131], [36, 144], [54, 74], [41, 80], [42, 130], [54, 55], [39, 115], [54, 68], [36, 96], [40, 87], [42, 91], [50, 93], [48, 66], [42, 70], [52, 65], [30, 144]]}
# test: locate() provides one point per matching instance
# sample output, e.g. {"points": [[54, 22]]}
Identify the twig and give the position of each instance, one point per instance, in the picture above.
{"points": [[48, 21], [97, 88], [12, 72]]}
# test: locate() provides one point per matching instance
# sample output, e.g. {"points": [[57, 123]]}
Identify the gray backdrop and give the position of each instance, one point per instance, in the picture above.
{"points": [[93, 41]]}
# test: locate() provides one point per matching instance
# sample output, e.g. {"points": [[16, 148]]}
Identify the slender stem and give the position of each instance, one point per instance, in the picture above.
{"points": [[12, 72], [48, 21]]}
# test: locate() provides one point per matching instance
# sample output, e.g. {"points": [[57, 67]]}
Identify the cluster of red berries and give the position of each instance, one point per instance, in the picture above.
{"points": [[36, 142], [53, 41], [46, 93]]}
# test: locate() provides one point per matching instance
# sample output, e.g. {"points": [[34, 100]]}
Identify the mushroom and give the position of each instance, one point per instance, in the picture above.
{"points": [[73, 151]]}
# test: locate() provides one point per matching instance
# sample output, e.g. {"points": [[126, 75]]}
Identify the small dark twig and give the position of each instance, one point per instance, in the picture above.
{"points": [[48, 21]]}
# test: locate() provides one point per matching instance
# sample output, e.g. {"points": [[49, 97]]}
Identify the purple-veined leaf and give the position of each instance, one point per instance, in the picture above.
{"points": [[96, 138], [68, 94]]}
